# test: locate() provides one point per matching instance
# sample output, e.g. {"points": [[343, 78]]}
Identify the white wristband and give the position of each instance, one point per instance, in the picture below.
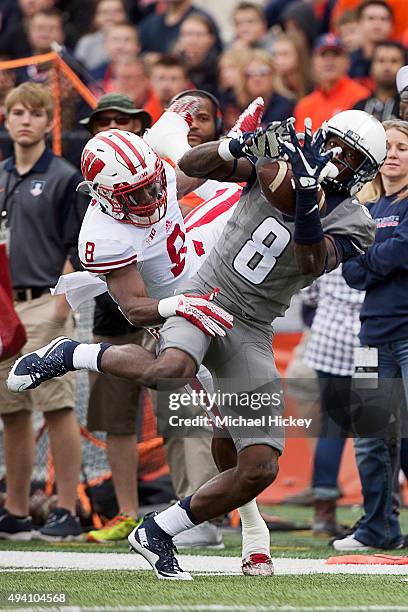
{"points": [[167, 307], [224, 150]]}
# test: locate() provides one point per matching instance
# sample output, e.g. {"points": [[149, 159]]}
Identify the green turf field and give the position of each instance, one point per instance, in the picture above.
{"points": [[140, 590], [137, 589]]}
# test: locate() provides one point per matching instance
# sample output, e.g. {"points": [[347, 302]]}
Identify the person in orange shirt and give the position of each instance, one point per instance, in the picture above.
{"points": [[334, 91], [398, 7]]}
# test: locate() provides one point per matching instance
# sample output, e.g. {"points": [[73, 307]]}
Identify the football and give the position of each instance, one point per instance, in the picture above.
{"points": [[278, 188]]}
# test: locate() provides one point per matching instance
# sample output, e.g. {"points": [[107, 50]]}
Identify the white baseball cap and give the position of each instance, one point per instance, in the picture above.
{"points": [[402, 79]]}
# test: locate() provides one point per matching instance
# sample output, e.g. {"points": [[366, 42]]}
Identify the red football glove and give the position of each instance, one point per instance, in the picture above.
{"points": [[187, 107], [199, 310], [249, 120]]}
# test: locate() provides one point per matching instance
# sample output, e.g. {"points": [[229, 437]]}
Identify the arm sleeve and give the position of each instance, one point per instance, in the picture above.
{"points": [[352, 221], [345, 248]]}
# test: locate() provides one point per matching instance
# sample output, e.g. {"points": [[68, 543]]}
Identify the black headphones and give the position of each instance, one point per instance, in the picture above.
{"points": [[219, 121]]}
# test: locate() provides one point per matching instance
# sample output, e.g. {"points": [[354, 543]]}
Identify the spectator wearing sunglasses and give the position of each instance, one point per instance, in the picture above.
{"points": [[261, 79], [116, 110]]}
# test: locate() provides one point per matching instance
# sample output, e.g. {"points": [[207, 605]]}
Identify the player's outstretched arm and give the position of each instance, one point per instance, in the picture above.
{"points": [[205, 161], [308, 160], [127, 288]]}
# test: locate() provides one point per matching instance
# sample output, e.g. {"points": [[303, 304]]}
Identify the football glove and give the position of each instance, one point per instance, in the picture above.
{"points": [[249, 120], [168, 136], [199, 310], [308, 160], [264, 142]]}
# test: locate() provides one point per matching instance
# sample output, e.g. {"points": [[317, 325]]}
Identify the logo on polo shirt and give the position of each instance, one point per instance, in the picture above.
{"points": [[37, 188]]}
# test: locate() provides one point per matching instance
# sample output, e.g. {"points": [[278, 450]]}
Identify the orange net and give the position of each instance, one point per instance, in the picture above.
{"points": [[59, 70]]}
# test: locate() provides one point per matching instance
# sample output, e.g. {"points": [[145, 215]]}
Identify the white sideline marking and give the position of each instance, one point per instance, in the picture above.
{"points": [[17, 560]]}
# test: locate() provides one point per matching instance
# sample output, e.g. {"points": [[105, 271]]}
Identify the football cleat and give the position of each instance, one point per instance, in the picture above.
{"points": [[158, 552], [115, 530], [257, 564], [30, 370]]}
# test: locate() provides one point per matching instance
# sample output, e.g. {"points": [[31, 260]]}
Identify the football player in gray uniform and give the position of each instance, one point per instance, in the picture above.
{"points": [[261, 260]]}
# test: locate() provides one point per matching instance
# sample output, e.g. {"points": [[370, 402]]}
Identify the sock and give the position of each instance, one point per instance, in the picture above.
{"points": [[88, 356], [177, 518], [255, 533], [308, 227]]}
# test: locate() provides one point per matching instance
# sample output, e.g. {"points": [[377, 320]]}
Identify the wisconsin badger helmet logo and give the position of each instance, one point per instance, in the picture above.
{"points": [[126, 177]]}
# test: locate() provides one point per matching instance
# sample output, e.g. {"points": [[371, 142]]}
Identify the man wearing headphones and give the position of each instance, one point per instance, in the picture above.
{"points": [[207, 125]]}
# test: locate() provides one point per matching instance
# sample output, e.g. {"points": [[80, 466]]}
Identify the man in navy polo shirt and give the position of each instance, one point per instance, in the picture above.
{"points": [[40, 217]]}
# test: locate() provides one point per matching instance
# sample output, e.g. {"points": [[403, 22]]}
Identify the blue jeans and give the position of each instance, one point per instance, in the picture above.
{"points": [[378, 461], [334, 428]]}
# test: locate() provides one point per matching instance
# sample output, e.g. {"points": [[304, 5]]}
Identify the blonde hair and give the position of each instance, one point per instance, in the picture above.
{"points": [[372, 191], [33, 96], [259, 55], [240, 58], [303, 56]]}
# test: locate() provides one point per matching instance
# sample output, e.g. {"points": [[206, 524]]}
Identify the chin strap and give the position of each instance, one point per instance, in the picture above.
{"points": [[85, 187]]}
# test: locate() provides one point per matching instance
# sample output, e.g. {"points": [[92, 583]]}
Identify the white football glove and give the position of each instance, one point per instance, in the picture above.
{"points": [[264, 142], [199, 310], [168, 136]]}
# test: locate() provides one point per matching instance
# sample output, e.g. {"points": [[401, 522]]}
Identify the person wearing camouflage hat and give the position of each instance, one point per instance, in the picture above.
{"points": [[117, 110]]}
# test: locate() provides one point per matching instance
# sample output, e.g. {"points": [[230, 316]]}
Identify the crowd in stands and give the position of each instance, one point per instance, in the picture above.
{"points": [[306, 58]]}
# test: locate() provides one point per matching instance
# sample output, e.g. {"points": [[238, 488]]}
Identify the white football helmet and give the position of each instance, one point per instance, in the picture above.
{"points": [[365, 134], [126, 177]]}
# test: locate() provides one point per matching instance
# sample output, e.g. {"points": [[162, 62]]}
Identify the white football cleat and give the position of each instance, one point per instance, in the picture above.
{"points": [[257, 564]]}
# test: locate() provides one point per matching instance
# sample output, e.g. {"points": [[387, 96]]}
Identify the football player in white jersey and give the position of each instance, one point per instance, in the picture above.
{"points": [[133, 233]]}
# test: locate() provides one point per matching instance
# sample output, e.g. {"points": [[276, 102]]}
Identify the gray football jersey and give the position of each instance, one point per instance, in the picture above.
{"points": [[254, 263]]}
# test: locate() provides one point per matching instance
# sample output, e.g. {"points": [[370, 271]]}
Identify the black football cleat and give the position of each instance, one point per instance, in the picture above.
{"points": [[30, 370], [157, 551]]}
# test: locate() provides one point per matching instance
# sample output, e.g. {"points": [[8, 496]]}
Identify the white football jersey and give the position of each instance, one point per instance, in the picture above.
{"points": [[205, 223], [159, 251], [164, 253]]}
